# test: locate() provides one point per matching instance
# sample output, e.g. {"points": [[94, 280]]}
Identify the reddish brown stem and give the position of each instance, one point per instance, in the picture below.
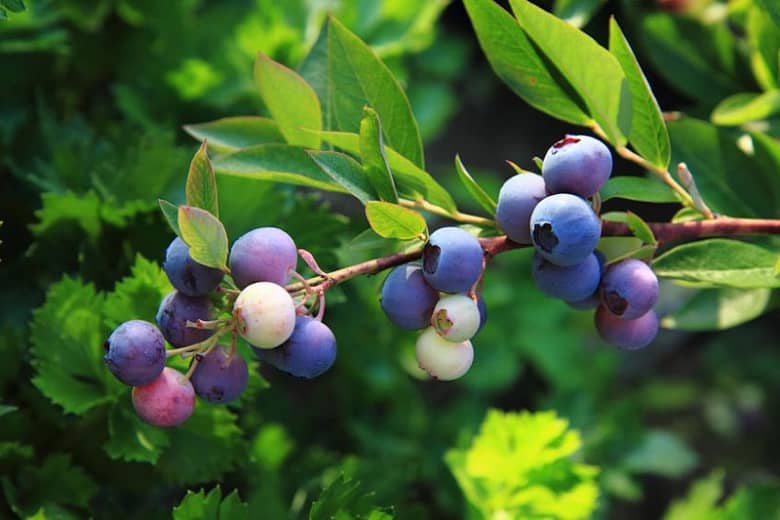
{"points": [[664, 232]]}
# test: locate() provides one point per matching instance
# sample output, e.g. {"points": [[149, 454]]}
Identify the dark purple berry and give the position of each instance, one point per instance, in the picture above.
{"points": [[577, 164], [309, 352], [570, 283], [167, 401], [628, 334], [407, 299], [186, 275], [564, 229], [452, 260], [172, 316], [629, 289], [516, 201], [135, 352], [219, 377], [265, 254]]}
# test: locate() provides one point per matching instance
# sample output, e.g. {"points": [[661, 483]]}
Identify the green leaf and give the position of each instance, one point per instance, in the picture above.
{"points": [[171, 213], [394, 221], [648, 134], [520, 466], [701, 500], [137, 296], [131, 439], [661, 453], [67, 336], [474, 189], [58, 208], [641, 189], [201, 188], [233, 133], [746, 107], [577, 12], [15, 6], [276, 163], [345, 171], [372, 151], [205, 235], [345, 498], [640, 229], [590, 69], [347, 74], [411, 181], [718, 309], [521, 65], [763, 37], [719, 263], [7, 408], [772, 9], [211, 506], [759, 500], [292, 102]]}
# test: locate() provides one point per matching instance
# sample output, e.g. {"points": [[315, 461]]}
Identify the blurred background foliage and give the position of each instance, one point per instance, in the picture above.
{"points": [[92, 101]]}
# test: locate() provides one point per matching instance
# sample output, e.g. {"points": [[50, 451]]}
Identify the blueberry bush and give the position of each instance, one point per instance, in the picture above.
{"points": [[248, 274]]}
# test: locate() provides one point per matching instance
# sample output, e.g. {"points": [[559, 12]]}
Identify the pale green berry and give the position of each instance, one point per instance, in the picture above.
{"points": [[443, 359], [266, 314], [455, 317]]}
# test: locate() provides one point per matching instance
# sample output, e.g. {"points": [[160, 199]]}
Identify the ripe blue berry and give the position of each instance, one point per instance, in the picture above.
{"points": [[407, 299], [452, 260], [564, 229], [442, 359], [172, 316], [266, 314], [572, 282], [628, 334], [265, 254], [456, 318], [516, 201], [629, 289], [594, 300], [577, 164], [167, 401], [219, 377], [309, 352], [187, 275], [482, 306], [135, 352]]}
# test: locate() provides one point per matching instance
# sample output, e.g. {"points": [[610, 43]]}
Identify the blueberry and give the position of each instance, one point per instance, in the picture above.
{"points": [[452, 260], [482, 313], [577, 164], [220, 378], [172, 316], [167, 401], [516, 201], [564, 229], [628, 334], [456, 318], [571, 283], [267, 314], [265, 254], [442, 359], [629, 289], [309, 352], [594, 300], [136, 352], [187, 275], [407, 299]]}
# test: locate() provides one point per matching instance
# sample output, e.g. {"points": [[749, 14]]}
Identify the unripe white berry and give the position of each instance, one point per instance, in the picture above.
{"points": [[455, 317], [267, 314], [443, 359]]}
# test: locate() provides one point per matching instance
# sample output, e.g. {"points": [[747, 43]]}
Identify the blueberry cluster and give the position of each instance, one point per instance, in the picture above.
{"points": [[438, 296], [262, 311], [551, 213]]}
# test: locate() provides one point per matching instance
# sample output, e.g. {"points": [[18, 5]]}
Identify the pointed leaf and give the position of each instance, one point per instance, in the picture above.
{"points": [[640, 229], [205, 235], [171, 213], [641, 189], [577, 12], [372, 151], [745, 107], [772, 8], [345, 171], [520, 65], [590, 69], [201, 189], [719, 263], [276, 163], [394, 221], [474, 189], [718, 309], [648, 134], [292, 102], [233, 133]]}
